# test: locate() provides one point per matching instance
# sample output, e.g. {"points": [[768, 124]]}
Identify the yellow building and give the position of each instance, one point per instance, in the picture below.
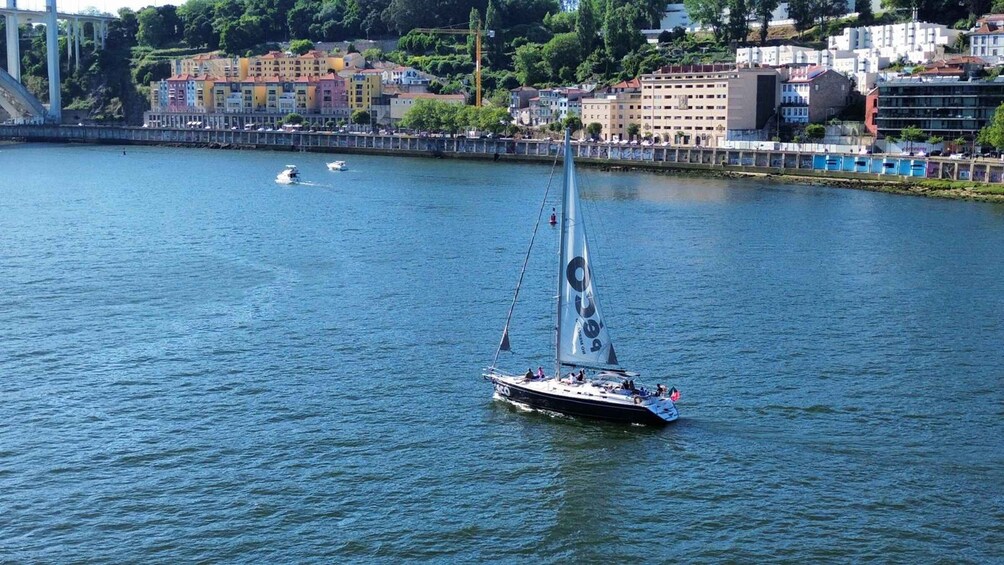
{"points": [[240, 96], [362, 86], [211, 64], [286, 66], [267, 94], [613, 112]]}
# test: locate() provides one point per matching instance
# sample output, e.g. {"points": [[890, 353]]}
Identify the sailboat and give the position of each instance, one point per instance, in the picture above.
{"points": [[597, 386]]}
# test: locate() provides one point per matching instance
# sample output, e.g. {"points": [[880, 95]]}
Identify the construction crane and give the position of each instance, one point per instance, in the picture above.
{"points": [[477, 50]]}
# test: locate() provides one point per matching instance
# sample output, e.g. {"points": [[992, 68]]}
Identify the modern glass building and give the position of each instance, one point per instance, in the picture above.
{"points": [[946, 106]]}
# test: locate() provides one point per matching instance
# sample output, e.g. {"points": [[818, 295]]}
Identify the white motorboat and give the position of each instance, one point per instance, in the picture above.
{"points": [[337, 166], [582, 341], [289, 175]]}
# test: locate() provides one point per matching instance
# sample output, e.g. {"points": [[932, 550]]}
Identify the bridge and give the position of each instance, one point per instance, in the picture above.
{"points": [[14, 98]]}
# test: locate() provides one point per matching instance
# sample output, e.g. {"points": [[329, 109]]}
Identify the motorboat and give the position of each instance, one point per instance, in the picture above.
{"points": [[337, 166], [289, 175]]}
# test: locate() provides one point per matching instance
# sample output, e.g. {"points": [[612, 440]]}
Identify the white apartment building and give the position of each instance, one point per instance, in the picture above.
{"points": [[987, 40], [778, 56], [861, 52], [555, 104], [813, 94], [918, 42]]}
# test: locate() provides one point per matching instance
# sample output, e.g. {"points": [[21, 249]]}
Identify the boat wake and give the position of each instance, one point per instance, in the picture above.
{"points": [[527, 408]]}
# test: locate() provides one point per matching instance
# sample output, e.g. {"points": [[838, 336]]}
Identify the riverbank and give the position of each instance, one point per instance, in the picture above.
{"points": [[928, 188], [979, 180]]}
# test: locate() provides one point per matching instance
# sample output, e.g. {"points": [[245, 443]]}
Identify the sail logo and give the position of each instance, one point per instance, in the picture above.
{"points": [[577, 276]]}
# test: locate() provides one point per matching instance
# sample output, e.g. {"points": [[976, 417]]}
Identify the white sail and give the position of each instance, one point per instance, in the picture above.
{"points": [[583, 339]]}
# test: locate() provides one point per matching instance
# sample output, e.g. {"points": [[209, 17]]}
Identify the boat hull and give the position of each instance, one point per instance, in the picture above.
{"points": [[657, 413]]}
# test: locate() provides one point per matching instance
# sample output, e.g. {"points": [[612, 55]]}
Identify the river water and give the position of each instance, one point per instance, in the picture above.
{"points": [[197, 364]]}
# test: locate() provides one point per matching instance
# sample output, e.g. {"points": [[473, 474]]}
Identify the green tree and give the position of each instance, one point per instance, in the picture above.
{"points": [[473, 24], [594, 129], [738, 22], [494, 119], [993, 133], [960, 143], [573, 123], [293, 118], [197, 23], [802, 14], [152, 27], [815, 132], [561, 22], [492, 41], [529, 64], [301, 17], [301, 46], [421, 116], [864, 10], [562, 52], [620, 36], [763, 9], [710, 14], [585, 27], [148, 71], [271, 17], [912, 134], [360, 117], [239, 36], [633, 130]]}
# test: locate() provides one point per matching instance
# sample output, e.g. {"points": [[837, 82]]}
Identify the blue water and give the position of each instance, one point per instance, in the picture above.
{"points": [[197, 364]]}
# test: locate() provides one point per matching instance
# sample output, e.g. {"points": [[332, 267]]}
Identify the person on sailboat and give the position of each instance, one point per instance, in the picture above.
{"points": [[540, 372], [529, 374], [581, 376], [554, 217]]}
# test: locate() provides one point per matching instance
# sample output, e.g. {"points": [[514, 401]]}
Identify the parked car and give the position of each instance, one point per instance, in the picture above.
{"points": [[935, 153]]}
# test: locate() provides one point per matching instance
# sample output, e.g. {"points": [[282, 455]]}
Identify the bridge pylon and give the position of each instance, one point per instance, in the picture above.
{"points": [[14, 16]]}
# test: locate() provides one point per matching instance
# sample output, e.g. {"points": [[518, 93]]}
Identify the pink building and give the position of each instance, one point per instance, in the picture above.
{"points": [[332, 95], [177, 97]]}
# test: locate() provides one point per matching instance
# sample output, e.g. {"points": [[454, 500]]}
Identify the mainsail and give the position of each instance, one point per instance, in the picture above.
{"points": [[583, 339]]}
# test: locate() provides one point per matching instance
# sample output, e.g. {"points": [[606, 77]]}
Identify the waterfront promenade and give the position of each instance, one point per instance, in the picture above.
{"points": [[893, 169]]}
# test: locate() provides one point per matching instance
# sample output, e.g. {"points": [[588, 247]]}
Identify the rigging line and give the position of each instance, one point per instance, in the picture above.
{"points": [[522, 272]]}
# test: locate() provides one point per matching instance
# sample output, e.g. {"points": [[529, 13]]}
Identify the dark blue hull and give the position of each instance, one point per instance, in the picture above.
{"points": [[581, 408]]}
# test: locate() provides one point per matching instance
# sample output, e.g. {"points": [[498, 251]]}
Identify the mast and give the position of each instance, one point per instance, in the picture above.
{"points": [[561, 251]]}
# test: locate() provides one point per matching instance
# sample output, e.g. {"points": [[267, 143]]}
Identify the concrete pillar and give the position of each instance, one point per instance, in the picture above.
{"points": [[77, 38], [13, 47], [52, 59], [13, 44]]}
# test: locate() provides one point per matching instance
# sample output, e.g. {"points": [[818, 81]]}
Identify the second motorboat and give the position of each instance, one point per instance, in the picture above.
{"points": [[337, 166], [289, 175]]}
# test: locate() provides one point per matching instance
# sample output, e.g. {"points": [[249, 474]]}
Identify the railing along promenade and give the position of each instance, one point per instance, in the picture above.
{"points": [[813, 164]]}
